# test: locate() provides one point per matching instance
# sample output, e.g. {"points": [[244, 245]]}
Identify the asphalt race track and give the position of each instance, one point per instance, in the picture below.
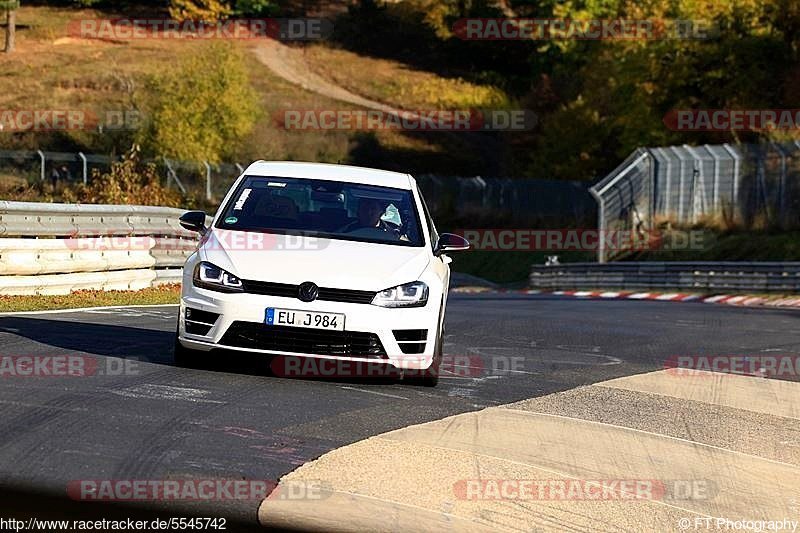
{"points": [[147, 419]]}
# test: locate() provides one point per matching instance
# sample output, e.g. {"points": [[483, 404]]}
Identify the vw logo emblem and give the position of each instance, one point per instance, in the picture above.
{"points": [[308, 292]]}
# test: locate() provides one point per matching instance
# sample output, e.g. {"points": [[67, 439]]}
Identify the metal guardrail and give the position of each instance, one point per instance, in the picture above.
{"points": [[59, 248], [688, 276]]}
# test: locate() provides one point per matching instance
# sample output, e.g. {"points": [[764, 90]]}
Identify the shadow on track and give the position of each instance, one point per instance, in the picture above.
{"points": [[91, 338], [146, 345]]}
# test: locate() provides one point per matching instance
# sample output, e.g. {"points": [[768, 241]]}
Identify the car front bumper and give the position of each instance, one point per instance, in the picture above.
{"points": [[251, 309]]}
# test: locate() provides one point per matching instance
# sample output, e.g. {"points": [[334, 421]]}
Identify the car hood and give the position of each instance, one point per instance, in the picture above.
{"points": [[327, 262]]}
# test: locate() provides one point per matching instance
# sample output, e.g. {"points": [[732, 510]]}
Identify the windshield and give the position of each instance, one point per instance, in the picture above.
{"points": [[331, 209]]}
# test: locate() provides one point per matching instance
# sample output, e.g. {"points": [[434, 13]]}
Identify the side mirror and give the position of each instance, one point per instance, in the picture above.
{"points": [[194, 221], [450, 242]]}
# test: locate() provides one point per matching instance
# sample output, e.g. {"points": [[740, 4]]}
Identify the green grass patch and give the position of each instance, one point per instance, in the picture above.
{"points": [[165, 294]]}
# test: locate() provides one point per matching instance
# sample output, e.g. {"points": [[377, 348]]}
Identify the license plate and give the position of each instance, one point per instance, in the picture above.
{"points": [[304, 319]]}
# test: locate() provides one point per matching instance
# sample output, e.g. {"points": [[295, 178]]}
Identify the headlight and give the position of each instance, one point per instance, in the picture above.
{"points": [[409, 295], [212, 277]]}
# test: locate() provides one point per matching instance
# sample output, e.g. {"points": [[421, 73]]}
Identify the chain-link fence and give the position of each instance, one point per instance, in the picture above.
{"points": [[751, 186], [480, 200], [532, 202], [201, 179]]}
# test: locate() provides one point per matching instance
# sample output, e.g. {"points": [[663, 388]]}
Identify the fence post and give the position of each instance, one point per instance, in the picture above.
{"points": [[698, 183], [782, 189], [85, 168], [208, 180], [601, 226], [484, 195], [667, 192], [736, 168], [171, 175], [715, 194], [41, 157]]}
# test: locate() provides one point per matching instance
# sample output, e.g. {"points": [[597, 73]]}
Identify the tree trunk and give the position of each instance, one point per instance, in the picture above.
{"points": [[11, 30]]}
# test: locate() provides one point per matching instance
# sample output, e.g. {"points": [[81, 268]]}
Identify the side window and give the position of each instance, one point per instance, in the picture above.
{"points": [[429, 221]]}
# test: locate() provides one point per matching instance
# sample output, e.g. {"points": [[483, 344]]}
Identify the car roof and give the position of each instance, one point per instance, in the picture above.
{"points": [[324, 171]]}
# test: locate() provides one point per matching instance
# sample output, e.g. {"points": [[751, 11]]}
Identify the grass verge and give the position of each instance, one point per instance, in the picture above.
{"points": [[397, 84], [165, 294]]}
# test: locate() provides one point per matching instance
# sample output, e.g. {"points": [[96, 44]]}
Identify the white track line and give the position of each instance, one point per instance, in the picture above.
{"points": [[85, 309], [375, 392]]}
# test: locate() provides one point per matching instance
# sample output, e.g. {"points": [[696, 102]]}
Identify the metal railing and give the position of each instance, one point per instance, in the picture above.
{"points": [[744, 185], [705, 277], [60, 248]]}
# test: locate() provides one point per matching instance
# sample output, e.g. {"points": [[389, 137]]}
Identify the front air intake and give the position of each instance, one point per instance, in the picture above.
{"points": [[411, 341], [199, 322]]}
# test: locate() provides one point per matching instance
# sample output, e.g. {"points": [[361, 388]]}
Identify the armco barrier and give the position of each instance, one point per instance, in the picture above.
{"points": [[59, 248], [706, 277]]}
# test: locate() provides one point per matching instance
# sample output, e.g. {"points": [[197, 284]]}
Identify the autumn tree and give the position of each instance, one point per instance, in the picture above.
{"points": [[200, 109]]}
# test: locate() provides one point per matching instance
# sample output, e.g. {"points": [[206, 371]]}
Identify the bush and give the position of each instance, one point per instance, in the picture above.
{"points": [[128, 182], [257, 8], [199, 9]]}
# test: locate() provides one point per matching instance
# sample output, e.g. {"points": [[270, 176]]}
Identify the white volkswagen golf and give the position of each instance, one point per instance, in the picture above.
{"points": [[327, 262]]}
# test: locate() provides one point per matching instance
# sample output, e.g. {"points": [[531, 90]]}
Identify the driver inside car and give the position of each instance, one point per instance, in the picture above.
{"points": [[369, 215]]}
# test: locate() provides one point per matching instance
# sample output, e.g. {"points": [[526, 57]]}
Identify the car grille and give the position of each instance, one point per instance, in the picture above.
{"points": [[303, 340], [288, 290]]}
